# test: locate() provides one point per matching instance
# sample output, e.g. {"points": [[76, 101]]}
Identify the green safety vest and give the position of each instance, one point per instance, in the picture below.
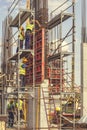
{"points": [[20, 105], [10, 107], [22, 70], [30, 27]]}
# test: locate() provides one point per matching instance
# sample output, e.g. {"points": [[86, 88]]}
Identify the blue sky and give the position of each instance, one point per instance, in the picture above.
{"points": [[3, 12]]}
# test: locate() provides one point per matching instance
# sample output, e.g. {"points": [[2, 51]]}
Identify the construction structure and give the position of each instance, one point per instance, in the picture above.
{"points": [[84, 59], [51, 97]]}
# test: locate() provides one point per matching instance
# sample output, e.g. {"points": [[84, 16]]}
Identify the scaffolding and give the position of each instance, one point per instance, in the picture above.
{"points": [[13, 84], [50, 71], [35, 74], [61, 56]]}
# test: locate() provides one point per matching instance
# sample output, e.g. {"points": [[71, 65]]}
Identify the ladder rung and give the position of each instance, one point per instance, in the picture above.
{"points": [[46, 91], [47, 103]]}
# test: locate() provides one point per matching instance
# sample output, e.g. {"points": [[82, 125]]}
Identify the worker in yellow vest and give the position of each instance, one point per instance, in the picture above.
{"points": [[22, 72], [20, 105], [11, 111], [57, 110], [29, 29], [20, 38]]}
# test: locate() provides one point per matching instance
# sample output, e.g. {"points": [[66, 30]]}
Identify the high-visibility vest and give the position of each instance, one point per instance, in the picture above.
{"points": [[20, 105], [22, 70], [10, 107], [30, 27], [21, 37]]}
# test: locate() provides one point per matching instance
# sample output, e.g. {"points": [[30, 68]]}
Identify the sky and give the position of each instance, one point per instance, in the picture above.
{"points": [[4, 11]]}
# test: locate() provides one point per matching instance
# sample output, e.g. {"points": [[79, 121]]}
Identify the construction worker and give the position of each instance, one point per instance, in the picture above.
{"points": [[10, 110], [57, 110], [22, 72], [20, 38], [20, 105], [29, 29]]}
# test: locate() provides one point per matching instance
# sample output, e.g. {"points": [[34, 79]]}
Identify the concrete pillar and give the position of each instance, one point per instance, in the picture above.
{"points": [[84, 78], [43, 120]]}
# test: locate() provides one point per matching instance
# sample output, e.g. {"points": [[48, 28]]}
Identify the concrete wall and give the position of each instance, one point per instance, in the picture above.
{"points": [[84, 78]]}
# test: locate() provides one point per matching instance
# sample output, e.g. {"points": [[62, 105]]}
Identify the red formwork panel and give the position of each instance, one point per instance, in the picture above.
{"points": [[38, 35], [40, 56], [39, 50], [29, 70], [38, 45], [54, 74]]}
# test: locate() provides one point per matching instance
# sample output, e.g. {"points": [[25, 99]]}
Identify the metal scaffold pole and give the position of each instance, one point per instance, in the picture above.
{"points": [[73, 45], [19, 83], [34, 73]]}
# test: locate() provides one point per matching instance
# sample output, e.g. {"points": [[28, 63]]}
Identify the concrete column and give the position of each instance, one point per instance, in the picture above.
{"points": [[84, 78], [43, 120]]}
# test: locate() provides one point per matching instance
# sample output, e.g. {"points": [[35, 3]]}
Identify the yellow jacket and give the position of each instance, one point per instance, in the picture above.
{"points": [[20, 105], [30, 27], [21, 35], [22, 70]]}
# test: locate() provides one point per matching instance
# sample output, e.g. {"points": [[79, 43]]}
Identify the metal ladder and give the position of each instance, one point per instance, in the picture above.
{"points": [[50, 107]]}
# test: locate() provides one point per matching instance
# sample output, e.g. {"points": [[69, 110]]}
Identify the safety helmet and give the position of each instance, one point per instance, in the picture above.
{"points": [[11, 101], [57, 108], [21, 28], [24, 60]]}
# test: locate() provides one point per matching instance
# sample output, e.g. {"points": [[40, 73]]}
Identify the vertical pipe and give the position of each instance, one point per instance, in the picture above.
{"points": [[83, 40], [73, 56], [61, 69], [84, 21], [18, 72], [34, 76], [27, 7], [73, 43]]}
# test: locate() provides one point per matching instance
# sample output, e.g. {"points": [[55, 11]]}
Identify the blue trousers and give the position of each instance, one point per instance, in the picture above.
{"points": [[10, 119], [27, 43], [21, 45], [27, 39], [23, 80]]}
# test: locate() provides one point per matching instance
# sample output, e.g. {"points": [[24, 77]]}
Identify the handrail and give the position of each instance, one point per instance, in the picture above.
{"points": [[63, 39], [13, 35], [13, 7], [60, 7]]}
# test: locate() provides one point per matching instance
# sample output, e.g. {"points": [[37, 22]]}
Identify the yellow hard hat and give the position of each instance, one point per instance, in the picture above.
{"points": [[21, 28], [24, 60], [57, 108]]}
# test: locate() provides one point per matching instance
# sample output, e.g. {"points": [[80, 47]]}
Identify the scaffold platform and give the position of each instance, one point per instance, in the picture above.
{"points": [[22, 53], [58, 19], [57, 55], [24, 14]]}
